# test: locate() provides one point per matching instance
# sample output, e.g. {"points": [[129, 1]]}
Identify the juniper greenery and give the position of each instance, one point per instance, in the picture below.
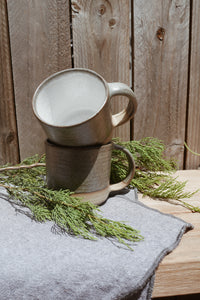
{"points": [[195, 153], [27, 188], [153, 177]]}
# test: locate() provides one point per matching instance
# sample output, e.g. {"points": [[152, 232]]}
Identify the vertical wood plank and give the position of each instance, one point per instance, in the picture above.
{"points": [[101, 43], [193, 124], [161, 42], [40, 45], [8, 131]]}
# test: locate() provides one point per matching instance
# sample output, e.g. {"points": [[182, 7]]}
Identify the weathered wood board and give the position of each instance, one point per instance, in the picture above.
{"points": [[153, 48], [193, 118], [161, 45], [8, 130], [101, 43], [40, 45]]}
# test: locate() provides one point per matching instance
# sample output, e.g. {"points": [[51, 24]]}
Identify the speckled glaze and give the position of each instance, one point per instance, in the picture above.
{"points": [[84, 170], [73, 107]]}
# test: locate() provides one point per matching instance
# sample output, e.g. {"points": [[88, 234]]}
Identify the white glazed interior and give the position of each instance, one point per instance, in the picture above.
{"points": [[69, 98]]}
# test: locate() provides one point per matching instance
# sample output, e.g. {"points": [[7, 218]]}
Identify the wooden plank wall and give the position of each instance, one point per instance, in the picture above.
{"points": [[161, 35], [40, 46], [101, 42], [193, 117], [9, 152], [36, 38]]}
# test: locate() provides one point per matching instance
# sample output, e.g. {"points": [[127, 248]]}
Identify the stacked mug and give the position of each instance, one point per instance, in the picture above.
{"points": [[74, 109]]}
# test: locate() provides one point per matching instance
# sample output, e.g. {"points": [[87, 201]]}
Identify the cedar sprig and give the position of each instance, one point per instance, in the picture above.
{"points": [[153, 175], [148, 154], [27, 187]]}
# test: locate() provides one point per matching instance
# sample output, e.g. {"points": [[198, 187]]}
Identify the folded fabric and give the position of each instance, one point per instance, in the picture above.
{"points": [[37, 263]]}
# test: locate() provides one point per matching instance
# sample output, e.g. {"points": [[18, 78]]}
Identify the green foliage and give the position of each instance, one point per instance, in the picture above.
{"points": [[147, 154], [153, 176], [195, 153], [27, 187]]}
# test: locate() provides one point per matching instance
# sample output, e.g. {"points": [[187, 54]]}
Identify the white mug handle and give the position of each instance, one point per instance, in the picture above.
{"points": [[118, 88]]}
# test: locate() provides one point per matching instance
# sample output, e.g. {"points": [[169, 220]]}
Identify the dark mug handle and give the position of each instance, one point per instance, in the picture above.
{"points": [[131, 170]]}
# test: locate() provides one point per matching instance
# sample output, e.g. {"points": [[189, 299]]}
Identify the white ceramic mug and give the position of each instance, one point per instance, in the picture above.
{"points": [[73, 107]]}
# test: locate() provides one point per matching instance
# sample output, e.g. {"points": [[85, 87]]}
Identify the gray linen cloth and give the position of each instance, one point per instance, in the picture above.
{"points": [[37, 263]]}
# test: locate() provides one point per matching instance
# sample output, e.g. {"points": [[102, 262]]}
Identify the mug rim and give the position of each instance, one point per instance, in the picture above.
{"points": [[54, 75], [49, 143]]}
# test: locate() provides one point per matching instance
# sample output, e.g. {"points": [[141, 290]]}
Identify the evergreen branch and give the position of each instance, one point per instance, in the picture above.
{"points": [[153, 172], [195, 153], [41, 158], [25, 183], [164, 187], [22, 167], [68, 212], [148, 154], [23, 189], [190, 207]]}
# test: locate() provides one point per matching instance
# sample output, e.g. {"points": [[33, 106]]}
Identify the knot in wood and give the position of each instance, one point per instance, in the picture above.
{"points": [[112, 22], [102, 10], [160, 33], [75, 8], [10, 137]]}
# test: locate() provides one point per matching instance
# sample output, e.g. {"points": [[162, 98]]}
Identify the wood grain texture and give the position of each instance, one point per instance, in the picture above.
{"points": [[177, 274], [193, 125], [161, 41], [8, 130], [101, 43], [40, 45], [179, 271]]}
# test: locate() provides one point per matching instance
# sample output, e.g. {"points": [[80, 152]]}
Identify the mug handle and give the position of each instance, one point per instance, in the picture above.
{"points": [[131, 170], [118, 88]]}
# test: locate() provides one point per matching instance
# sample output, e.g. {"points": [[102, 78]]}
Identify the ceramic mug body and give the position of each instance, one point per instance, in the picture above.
{"points": [[84, 170], [73, 107]]}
